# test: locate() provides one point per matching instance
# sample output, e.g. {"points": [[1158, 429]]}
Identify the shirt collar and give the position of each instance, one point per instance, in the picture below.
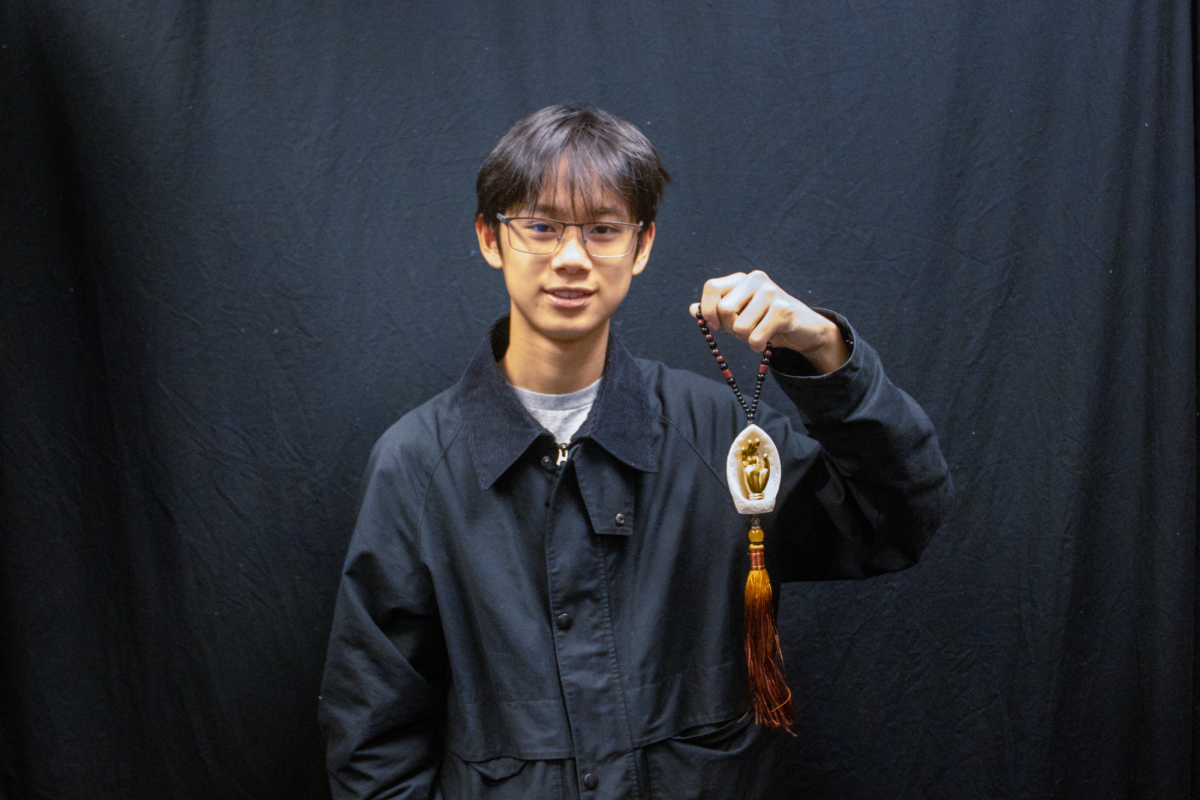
{"points": [[499, 429]]}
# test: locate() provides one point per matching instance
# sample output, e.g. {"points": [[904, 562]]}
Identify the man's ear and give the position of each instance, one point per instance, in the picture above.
{"points": [[643, 254], [489, 241]]}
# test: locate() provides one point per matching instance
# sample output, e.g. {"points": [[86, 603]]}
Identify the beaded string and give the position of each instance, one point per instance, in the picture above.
{"points": [[728, 373]]}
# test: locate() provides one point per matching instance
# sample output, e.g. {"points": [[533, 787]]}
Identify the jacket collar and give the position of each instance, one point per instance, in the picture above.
{"points": [[499, 429]]}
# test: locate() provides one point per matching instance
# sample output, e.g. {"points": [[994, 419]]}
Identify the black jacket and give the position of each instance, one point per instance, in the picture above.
{"points": [[510, 627]]}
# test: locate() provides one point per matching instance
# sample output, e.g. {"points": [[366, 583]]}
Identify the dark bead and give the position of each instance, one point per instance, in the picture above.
{"points": [[728, 377], [708, 337]]}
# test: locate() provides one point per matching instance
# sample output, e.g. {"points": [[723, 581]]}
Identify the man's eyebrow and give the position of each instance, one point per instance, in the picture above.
{"points": [[553, 212]]}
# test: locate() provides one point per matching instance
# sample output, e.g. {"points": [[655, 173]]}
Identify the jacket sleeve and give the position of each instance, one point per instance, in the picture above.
{"points": [[879, 487], [383, 693]]}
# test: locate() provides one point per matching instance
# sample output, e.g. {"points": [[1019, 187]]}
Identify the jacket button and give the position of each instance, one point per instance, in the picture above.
{"points": [[590, 781], [564, 621], [619, 519], [546, 461]]}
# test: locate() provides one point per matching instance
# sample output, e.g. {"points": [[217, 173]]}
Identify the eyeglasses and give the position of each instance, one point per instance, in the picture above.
{"points": [[600, 239]]}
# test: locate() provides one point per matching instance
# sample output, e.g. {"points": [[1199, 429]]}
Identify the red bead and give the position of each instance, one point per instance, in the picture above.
{"points": [[762, 369], [708, 337], [728, 375]]}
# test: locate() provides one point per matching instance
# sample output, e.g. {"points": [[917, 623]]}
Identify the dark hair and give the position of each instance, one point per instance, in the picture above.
{"points": [[596, 146]]}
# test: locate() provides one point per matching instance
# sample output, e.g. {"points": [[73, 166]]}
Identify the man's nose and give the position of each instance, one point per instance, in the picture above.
{"points": [[572, 253]]}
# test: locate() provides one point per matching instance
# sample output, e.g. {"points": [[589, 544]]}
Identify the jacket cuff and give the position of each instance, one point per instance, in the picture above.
{"points": [[831, 397]]}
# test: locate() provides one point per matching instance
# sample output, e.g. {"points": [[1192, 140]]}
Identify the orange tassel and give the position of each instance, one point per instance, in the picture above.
{"points": [[764, 659]]}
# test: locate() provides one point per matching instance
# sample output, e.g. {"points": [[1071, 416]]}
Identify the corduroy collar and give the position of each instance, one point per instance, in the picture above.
{"points": [[499, 429]]}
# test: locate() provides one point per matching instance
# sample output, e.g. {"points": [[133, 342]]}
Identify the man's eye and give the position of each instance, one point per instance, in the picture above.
{"points": [[602, 229], [540, 228]]}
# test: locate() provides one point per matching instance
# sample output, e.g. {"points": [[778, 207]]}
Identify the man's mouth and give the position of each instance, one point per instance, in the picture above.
{"points": [[569, 298]]}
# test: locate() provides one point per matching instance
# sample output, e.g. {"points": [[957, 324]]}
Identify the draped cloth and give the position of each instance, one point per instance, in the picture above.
{"points": [[237, 245]]}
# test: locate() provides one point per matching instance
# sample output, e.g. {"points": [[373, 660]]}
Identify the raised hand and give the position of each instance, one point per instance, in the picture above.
{"points": [[754, 309]]}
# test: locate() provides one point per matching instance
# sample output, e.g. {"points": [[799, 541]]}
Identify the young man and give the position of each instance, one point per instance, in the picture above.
{"points": [[543, 594]]}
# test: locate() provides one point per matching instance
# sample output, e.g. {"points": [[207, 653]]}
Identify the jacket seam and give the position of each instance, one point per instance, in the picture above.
{"points": [[718, 476], [429, 490]]}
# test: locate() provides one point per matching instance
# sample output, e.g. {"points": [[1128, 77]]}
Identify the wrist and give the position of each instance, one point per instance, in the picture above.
{"points": [[832, 352]]}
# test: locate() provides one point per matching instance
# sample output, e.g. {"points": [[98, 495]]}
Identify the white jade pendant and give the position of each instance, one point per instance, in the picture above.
{"points": [[752, 471]]}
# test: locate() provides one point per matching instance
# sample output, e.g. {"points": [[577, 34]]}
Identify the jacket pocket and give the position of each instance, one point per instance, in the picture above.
{"points": [[720, 735], [499, 778], [497, 769], [727, 760]]}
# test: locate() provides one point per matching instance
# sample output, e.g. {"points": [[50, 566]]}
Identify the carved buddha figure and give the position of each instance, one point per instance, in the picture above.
{"points": [[756, 471]]}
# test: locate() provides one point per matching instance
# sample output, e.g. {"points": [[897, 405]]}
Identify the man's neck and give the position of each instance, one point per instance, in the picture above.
{"points": [[549, 366]]}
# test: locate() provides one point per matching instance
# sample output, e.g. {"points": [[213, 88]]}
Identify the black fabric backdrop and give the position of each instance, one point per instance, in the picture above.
{"points": [[237, 245]]}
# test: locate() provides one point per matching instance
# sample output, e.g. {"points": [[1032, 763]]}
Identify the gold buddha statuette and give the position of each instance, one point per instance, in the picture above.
{"points": [[752, 469], [756, 470]]}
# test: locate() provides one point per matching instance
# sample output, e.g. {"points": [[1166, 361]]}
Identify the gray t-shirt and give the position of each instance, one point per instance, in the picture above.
{"points": [[561, 414]]}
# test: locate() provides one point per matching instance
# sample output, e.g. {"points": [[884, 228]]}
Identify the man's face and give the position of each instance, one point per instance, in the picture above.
{"points": [[566, 295]]}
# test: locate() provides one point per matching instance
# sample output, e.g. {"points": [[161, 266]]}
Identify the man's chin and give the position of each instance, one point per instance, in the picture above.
{"points": [[568, 334]]}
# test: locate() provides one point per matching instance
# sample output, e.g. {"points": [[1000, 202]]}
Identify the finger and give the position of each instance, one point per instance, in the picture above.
{"points": [[734, 300], [714, 290], [777, 319], [746, 303], [753, 312]]}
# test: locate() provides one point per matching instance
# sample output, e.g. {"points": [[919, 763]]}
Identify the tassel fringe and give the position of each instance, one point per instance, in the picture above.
{"points": [[772, 698]]}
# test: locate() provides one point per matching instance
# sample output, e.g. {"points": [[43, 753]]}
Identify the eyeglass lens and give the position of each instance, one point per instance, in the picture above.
{"points": [[541, 236]]}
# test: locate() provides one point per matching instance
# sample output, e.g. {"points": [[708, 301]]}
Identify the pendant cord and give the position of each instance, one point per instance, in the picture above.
{"points": [[763, 366]]}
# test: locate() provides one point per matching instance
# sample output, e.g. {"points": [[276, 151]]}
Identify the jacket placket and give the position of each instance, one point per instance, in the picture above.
{"points": [[584, 641]]}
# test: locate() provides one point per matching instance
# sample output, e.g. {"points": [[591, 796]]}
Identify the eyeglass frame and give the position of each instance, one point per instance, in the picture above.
{"points": [[638, 227]]}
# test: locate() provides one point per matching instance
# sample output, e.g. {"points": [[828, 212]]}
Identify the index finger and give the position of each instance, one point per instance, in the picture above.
{"points": [[714, 290]]}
